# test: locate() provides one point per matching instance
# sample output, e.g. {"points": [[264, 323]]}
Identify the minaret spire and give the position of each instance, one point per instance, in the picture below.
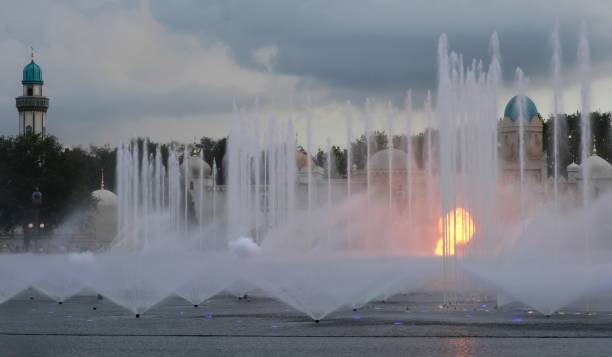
{"points": [[32, 105], [102, 179]]}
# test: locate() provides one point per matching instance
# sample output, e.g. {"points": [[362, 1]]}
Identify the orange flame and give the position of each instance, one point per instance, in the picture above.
{"points": [[460, 229]]}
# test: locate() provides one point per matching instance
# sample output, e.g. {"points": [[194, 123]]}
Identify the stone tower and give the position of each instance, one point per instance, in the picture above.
{"points": [[32, 105], [509, 138]]}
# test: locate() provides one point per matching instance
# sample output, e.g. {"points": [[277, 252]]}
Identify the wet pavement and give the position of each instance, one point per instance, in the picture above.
{"points": [[225, 326]]}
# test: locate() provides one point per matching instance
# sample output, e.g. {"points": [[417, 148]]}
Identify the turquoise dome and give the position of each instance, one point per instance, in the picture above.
{"points": [[528, 111], [32, 74]]}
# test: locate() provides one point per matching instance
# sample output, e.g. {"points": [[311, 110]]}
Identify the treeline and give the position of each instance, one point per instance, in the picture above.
{"points": [[569, 139], [66, 176], [379, 140]]}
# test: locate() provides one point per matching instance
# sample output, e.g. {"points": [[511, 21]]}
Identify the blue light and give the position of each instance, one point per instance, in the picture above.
{"points": [[356, 317], [398, 323], [207, 316], [517, 319]]}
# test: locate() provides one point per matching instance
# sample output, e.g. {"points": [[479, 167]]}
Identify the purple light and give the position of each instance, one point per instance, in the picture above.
{"points": [[398, 323], [275, 327], [207, 316], [356, 317], [517, 319]]}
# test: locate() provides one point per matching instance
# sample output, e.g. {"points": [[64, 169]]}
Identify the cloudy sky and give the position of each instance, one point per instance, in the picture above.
{"points": [[172, 70]]}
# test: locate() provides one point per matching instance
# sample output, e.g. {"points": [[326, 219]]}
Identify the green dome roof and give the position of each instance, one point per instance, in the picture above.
{"points": [[32, 74], [528, 111]]}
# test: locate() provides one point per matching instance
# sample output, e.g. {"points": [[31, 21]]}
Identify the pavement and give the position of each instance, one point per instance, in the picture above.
{"points": [[408, 325]]}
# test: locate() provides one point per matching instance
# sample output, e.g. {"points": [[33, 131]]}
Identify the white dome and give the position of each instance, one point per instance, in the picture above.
{"points": [[598, 167], [195, 163], [573, 167], [399, 160], [104, 198]]}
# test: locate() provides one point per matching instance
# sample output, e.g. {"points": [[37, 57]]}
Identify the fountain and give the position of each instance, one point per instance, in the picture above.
{"points": [[429, 211]]}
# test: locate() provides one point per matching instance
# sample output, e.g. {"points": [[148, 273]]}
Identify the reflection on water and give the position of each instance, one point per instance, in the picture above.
{"points": [[461, 347]]}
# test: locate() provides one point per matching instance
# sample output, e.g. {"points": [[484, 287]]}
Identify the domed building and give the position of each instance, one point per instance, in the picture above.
{"points": [[200, 181], [390, 166], [599, 174], [301, 166], [104, 220], [389, 162], [198, 169], [522, 110]]}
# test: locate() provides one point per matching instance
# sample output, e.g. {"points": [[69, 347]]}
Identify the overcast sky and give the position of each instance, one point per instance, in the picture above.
{"points": [[172, 69]]}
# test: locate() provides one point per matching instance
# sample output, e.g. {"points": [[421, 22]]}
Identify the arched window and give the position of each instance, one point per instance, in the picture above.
{"points": [[28, 129]]}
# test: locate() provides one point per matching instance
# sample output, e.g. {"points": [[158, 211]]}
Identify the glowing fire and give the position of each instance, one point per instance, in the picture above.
{"points": [[463, 227]]}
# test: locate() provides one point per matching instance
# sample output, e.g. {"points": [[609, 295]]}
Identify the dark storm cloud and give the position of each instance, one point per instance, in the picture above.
{"points": [[389, 45], [180, 64]]}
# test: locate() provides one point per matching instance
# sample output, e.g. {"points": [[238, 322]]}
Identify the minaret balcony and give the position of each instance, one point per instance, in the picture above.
{"points": [[32, 103]]}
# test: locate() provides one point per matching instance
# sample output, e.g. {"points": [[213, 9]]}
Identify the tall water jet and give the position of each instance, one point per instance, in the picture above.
{"points": [[584, 59], [557, 105], [429, 165], [309, 151], [200, 189], [390, 166], [233, 178], [494, 79], [368, 133], [349, 156], [291, 169], [214, 189], [408, 145], [329, 183], [186, 155], [585, 111], [257, 163], [521, 104], [445, 138]]}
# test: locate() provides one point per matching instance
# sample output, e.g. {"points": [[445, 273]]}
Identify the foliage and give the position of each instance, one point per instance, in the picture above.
{"points": [[65, 176], [570, 147]]}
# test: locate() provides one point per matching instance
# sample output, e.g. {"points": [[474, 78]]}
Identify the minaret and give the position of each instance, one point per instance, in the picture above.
{"points": [[32, 105]]}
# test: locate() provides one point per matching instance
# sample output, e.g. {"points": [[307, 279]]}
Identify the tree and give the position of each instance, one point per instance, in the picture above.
{"points": [[570, 135], [29, 163], [339, 159]]}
